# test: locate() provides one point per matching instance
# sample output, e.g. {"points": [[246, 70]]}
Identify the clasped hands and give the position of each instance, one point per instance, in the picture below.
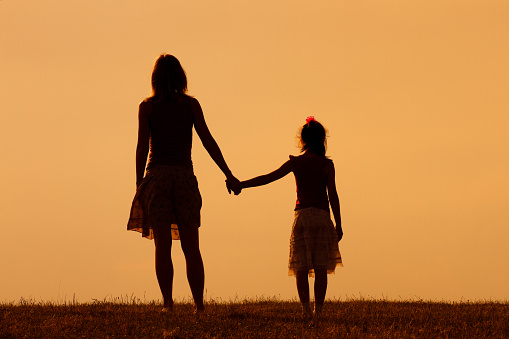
{"points": [[233, 184]]}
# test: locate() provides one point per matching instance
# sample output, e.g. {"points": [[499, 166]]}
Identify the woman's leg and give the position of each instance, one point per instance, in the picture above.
{"points": [[320, 288], [164, 265], [189, 240]]}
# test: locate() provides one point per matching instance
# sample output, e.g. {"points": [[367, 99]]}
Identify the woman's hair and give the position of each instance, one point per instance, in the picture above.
{"points": [[313, 137], [168, 77]]}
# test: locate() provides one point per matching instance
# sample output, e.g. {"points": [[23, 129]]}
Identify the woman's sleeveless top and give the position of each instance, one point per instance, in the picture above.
{"points": [[311, 180], [171, 132]]}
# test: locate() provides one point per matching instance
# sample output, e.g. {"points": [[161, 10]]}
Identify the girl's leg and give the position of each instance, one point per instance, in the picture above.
{"points": [[320, 288], [189, 240], [303, 290], [164, 265], [303, 286]]}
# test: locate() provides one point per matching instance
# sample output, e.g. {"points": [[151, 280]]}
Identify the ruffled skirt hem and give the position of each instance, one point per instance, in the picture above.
{"points": [[313, 243], [167, 195]]}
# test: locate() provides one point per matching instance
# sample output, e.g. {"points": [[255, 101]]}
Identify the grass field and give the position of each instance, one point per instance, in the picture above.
{"points": [[255, 319]]}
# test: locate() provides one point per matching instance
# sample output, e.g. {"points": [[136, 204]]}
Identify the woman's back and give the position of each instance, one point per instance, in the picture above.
{"points": [[168, 194], [171, 131]]}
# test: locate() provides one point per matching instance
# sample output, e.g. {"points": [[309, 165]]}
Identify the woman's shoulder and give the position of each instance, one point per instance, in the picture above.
{"points": [[145, 107], [178, 96], [149, 100], [191, 100]]}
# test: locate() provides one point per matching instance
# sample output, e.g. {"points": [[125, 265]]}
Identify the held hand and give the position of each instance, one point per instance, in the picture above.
{"points": [[232, 184], [236, 187]]}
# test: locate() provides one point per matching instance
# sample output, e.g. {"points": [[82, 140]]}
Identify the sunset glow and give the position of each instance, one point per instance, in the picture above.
{"points": [[413, 94]]}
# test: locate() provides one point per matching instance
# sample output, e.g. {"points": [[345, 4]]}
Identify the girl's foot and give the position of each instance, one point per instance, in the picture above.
{"points": [[318, 309], [199, 312], [306, 310], [167, 310]]}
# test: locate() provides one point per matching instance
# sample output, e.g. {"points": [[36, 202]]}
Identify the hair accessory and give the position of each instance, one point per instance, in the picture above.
{"points": [[309, 119]]}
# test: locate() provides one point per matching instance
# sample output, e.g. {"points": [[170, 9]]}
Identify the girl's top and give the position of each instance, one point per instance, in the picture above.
{"points": [[171, 132], [311, 180]]}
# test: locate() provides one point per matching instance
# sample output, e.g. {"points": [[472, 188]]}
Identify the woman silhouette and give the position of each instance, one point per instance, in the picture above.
{"points": [[168, 193]]}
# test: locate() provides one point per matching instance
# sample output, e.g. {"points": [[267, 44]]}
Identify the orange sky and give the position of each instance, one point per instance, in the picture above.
{"points": [[414, 95]]}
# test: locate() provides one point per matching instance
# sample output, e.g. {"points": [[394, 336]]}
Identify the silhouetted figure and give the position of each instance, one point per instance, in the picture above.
{"points": [[314, 241], [168, 193]]}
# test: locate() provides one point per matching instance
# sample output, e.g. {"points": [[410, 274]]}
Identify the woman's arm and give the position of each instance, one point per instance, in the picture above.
{"points": [[208, 141], [334, 199], [267, 178], [143, 142]]}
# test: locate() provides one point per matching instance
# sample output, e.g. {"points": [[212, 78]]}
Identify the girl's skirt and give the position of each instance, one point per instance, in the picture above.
{"points": [[313, 243], [167, 195]]}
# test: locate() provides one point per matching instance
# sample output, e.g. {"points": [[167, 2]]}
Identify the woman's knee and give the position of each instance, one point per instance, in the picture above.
{"points": [[189, 241], [162, 237]]}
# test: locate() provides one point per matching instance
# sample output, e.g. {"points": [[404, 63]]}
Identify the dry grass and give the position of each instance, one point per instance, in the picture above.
{"points": [[255, 319]]}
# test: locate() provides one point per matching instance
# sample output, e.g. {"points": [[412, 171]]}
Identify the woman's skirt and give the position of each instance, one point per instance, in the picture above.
{"points": [[167, 195], [313, 243]]}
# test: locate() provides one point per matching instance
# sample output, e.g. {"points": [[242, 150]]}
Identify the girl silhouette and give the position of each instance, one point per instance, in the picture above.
{"points": [[314, 240], [167, 194]]}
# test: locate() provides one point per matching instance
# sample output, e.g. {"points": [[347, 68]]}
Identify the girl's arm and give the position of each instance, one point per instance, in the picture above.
{"points": [[208, 141], [334, 199], [143, 142], [267, 178]]}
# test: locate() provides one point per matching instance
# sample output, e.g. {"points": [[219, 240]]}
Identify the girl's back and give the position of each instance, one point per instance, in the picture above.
{"points": [[311, 177]]}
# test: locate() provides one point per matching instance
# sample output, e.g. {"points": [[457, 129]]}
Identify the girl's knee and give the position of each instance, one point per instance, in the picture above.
{"points": [[301, 274], [321, 272]]}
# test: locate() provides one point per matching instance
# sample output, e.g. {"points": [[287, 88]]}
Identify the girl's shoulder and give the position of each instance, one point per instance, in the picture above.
{"points": [[294, 159], [311, 158], [306, 161], [298, 157], [292, 162]]}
